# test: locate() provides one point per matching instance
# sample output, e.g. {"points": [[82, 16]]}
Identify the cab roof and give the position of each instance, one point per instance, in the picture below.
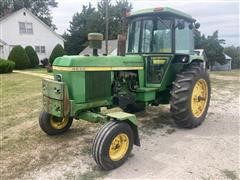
{"points": [[162, 10]]}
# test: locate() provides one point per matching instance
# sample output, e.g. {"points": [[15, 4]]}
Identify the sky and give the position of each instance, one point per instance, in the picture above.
{"points": [[221, 15]]}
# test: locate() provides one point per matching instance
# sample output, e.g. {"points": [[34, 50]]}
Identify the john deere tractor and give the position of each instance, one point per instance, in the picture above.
{"points": [[159, 67]]}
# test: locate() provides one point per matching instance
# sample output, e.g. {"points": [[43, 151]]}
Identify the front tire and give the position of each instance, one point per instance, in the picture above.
{"points": [[112, 145], [53, 125], [190, 96]]}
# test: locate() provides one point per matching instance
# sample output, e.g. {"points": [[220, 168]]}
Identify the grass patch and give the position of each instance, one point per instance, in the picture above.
{"points": [[225, 84], [20, 105], [21, 99], [235, 72], [230, 174], [223, 91], [170, 131], [95, 173], [24, 146], [39, 70]]}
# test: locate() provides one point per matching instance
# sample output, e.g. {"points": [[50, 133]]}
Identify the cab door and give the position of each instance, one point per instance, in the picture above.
{"points": [[155, 69]]}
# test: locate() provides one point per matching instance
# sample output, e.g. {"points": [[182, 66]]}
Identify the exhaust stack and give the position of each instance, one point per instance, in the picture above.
{"points": [[95, 42]]}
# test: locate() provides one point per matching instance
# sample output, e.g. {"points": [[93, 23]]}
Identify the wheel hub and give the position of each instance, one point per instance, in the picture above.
{"points": [[199, 98], [119, 147], [58, 123]]}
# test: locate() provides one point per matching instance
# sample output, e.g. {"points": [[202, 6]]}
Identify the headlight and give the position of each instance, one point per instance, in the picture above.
{"points": [[58, 77]]}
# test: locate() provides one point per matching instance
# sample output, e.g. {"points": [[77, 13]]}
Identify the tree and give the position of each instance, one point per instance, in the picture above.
{"points": [[92, 20], [212, 47], [57, 51], [234, 53], [214, 50], [32, 55], [199, 39], [82, 23], [40, 8], [115, 16], [19, 56]]}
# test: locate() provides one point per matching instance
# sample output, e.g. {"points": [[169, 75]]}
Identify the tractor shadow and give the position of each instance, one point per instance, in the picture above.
{"points": [[80, 136], [154, 119]]}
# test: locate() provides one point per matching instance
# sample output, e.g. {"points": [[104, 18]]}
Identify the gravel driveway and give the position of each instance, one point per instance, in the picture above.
{"points": [[210, 151]]}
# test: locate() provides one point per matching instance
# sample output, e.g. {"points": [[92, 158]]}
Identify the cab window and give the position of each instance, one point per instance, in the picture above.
{"points": [[156, 36], [134, 37]]}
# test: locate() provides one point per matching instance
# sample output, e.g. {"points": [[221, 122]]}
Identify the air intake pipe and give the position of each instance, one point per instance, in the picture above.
{"points": [[95, 42]]}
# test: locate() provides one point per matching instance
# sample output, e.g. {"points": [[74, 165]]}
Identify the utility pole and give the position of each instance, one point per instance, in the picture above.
{"points": [[106, 33]]}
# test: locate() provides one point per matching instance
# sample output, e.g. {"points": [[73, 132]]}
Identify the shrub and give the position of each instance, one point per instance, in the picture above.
{"points": [[32, 55], [6, 66], [19, 56], [58, 51]]}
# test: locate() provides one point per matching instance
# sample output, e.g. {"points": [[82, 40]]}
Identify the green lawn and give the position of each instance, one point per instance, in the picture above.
{"points": [[23, 145], [20, 105], [21, 98], [39, 70]]}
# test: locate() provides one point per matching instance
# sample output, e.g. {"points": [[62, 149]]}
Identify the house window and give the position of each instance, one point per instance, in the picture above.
{"points": [[40, 49], [25, 28], [37, 49]]}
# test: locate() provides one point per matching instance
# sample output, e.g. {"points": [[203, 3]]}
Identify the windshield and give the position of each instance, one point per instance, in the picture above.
{"points": [[150, 36]]}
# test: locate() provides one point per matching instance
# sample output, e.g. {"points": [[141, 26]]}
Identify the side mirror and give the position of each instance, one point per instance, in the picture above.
{"points": [[197, 25], [180, 24], [190, 26]]}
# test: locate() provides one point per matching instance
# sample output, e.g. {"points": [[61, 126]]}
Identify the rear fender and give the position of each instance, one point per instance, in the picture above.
{"points": [[199, 59]]}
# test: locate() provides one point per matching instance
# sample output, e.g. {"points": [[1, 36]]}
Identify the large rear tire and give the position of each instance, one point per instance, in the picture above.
{"points": [[190, 96], [112, 145]]}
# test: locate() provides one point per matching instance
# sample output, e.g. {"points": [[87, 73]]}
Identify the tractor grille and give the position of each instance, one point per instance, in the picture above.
{"points": [[98, 85]]}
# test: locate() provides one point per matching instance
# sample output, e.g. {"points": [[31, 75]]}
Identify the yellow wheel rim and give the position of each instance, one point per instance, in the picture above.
{"points": [[199, 98], [58, 123], [119, 147]]}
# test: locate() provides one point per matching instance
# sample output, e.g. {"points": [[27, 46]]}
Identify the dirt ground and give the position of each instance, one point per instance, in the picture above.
{"points": [[210, 151]]}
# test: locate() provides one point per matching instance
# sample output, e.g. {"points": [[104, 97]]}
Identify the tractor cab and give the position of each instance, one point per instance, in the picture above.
{"points": [[160, 35], [160, 30]]}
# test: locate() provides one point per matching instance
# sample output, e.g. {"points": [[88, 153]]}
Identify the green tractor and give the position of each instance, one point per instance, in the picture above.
{"points": [[159, 67]]}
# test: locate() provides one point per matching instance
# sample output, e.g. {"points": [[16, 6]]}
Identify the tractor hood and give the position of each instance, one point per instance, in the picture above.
{"points": [[88, 78], [71, 63]]}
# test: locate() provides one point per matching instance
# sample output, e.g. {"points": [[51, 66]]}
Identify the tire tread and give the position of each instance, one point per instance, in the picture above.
{"points": [[180, 97]]}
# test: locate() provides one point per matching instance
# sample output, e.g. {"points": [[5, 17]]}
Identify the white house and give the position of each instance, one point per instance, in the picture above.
{"points": [[23, 28]]}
